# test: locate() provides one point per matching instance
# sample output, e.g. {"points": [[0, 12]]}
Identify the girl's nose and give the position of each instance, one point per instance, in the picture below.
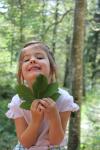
{"points": [[32, 60]]}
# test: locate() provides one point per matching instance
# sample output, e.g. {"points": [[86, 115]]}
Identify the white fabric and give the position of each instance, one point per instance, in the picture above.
{"points": [[64, 103]]}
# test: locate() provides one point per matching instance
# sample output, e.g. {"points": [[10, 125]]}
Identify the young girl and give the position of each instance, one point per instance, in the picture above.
{"points": [[43, 126]]}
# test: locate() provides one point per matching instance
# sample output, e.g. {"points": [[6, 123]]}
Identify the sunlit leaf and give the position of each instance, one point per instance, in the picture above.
{"points": [[24, 92], [25, 105], [51, 89], [40, 89], [40, 86], [55, 96]]}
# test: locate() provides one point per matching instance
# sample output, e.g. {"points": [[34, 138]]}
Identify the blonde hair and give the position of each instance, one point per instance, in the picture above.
{"points": [[49, 53]]}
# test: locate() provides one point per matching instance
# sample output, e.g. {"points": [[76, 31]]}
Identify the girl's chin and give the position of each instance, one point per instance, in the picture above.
{"points": [[33, 77]]}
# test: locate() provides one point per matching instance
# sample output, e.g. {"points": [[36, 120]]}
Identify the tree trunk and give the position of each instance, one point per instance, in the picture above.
{"points": [[66, 81], [95, 43], [66, 77], [94, 55], [55, 27], [11, 43], [21, 25], [76, 73], [43, 21]]}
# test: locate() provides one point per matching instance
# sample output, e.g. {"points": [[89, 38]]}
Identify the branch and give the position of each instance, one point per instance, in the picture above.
{"points": [[57, 22], [96, 29]]}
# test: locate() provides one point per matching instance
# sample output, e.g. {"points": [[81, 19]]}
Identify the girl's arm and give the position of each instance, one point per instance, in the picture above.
{"points": [[58, 127], [57, 121], [28, 134]]}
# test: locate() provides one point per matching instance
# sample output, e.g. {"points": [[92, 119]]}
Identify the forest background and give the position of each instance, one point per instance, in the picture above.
{"points": [[53, 22]]}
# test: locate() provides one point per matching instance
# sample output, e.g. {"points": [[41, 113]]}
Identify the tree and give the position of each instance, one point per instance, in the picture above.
{"points": [[55, 27], [96, 43], [76, 73]]}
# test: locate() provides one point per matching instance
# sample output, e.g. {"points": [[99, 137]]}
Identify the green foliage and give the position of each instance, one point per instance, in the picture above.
{"points": [[40, 89], [24, 20], [7, 131], [24, 92], [6, 91], [90, 124], [39, 86]]}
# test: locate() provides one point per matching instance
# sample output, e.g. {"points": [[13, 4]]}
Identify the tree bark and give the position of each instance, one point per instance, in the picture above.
{"points": [[94, 55], [21, 25], [43, 21], [76, 73], [55, 27]]}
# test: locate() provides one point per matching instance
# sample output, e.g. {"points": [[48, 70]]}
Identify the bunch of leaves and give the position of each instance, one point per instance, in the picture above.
{"points": [[40, 89]]}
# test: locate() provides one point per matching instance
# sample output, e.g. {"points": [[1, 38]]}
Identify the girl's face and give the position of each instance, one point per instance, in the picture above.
{"points": [[34, 62]]}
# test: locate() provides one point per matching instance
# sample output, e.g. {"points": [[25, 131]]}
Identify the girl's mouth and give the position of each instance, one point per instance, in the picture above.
{"points": [[34, 68]]}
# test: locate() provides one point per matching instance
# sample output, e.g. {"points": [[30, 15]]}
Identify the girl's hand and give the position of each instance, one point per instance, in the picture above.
{"points": [[37, 113], [57, 120], [49, 108]]}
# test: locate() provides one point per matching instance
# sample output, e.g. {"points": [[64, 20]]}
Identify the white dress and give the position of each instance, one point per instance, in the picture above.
{"points": [[64, 103]]}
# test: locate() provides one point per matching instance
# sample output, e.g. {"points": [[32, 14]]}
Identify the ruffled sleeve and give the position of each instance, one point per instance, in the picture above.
{"points": [[66, 102], [14, 108]]}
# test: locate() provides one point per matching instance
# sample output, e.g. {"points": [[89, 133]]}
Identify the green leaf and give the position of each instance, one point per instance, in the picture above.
{"points": [[51, 89], [40, 86], [25, 105], [24, 92], [55, 96], [40, 89]]}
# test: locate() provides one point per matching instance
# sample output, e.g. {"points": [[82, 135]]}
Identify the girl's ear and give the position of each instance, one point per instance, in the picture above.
{"points": [[52, 77], [22, 78]]}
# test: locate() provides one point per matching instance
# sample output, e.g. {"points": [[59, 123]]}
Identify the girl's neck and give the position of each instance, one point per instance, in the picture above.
{"points": [[30, 84]]}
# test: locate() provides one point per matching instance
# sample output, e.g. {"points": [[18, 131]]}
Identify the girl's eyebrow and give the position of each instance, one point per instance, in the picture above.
{"points": [[39, 53], [36, 53], [25, 55]]}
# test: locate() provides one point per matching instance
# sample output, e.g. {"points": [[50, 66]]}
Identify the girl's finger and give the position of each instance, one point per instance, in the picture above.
{"points": [[41, 107], [44, 102], [48, 100], [35, 104]]}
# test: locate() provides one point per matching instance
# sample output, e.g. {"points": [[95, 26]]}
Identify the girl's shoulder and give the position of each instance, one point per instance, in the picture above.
{"points": [[64, 95], [16, 101], [66, 102], [14, 110], [64, 92]]}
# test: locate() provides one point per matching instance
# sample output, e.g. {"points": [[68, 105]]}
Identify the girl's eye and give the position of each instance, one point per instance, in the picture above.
{"points": [[26, 59], [40, 57]]}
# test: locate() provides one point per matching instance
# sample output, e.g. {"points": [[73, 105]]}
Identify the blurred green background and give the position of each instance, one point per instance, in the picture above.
{"points": [[52, 22]]}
